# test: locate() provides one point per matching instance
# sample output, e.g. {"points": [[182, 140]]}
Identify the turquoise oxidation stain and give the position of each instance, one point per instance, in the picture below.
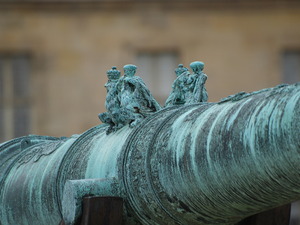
{"points": [[75, 190], [197, 164]]}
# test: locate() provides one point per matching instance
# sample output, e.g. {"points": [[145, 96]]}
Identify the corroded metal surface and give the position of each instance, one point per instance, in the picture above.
{"points": [[206, 163], [128, 99], [188, 88], [28, 188], [217, 163]]}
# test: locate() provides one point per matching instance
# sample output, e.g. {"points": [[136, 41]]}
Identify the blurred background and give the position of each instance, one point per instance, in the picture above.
{"points": [[54, 54]]}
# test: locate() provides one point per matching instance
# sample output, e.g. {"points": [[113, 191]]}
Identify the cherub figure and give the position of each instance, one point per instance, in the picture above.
{"points": [[135, 98], [197, 81], [179, 87]]}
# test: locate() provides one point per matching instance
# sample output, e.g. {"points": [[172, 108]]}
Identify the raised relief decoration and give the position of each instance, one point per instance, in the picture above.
{"points": [[188, 88], [128, 99]]}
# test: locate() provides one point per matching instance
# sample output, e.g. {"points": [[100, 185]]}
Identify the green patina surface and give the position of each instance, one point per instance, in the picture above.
{"points": [[201, 163], [128, 99], [76, 190], [188, 88]]}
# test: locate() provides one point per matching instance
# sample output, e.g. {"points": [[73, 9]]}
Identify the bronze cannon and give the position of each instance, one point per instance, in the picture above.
{"points": [[206, 163]]}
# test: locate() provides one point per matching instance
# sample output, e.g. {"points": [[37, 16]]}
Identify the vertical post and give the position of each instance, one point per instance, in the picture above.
{"points": [[102, 211], [277, 216]]}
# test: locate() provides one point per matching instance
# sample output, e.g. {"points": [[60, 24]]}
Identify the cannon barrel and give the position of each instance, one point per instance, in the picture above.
{"points": [[209, 163]]}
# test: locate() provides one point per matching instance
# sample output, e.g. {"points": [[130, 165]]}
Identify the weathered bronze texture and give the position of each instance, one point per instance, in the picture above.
{"points": [[188, 88], [195, 164], [128, 99]]}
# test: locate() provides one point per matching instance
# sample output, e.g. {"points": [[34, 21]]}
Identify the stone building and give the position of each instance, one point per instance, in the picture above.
{"points": [[54, 54]]}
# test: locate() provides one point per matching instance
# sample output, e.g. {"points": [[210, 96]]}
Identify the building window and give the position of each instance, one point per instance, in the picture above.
{"points": [[14, 96], [157, 71], [291, 66]]}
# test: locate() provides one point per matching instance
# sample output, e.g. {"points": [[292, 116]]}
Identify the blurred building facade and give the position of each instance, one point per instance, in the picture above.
{"points": [[54, 54]]}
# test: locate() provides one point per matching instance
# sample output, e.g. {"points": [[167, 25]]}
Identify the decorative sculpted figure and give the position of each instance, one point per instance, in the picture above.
{"points": [[188, 88], [112, 102], [197, 84], [128, 100], [178, 96]]}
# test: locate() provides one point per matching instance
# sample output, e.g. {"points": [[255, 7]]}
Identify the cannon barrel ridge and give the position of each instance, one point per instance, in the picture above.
{"points": [[217, 163], [210, 163]]}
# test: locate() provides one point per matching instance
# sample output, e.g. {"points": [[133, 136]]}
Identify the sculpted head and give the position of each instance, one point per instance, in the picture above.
{"points": [[129, 70], [180, 70], [113, 74], [197, 66]]}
